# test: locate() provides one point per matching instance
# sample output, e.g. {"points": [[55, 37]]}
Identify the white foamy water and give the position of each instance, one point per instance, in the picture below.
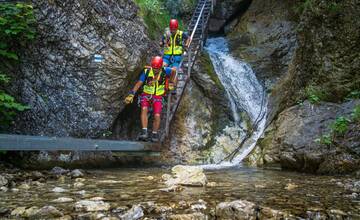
{"points": [[244, 92]]}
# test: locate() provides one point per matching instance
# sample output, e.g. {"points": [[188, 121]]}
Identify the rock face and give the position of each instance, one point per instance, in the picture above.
{"points": [[265, 38], [324, 60], [293, 141], [202, 115], [69, 93], [225, 11], [320, 63]]}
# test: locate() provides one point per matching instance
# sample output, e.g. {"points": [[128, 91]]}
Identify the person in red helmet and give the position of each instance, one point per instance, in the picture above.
{"points": [[173, 42], [155, 79]]}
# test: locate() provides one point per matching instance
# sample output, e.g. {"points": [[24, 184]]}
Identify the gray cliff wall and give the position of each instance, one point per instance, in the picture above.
{"points": [[68, 93]]}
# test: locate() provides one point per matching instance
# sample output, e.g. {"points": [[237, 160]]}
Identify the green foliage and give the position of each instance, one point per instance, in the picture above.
{"points": [[17, 27], [8, 105], [340, 125], [334, 7], [313, 95], [356, 114], [304, 5], [2, 152], [325, 139], [155, 16], [353, 95]]}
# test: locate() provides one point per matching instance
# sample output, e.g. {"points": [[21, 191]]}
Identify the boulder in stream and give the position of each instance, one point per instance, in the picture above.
{"points": [[136, 212], [186, 176]]}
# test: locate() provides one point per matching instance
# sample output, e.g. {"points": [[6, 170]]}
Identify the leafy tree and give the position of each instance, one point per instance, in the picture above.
{"points": [[17, 28]]}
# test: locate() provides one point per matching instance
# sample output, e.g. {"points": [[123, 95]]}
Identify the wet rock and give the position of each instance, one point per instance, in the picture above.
{"points": [[183, 205], [174, 188], [268, 213], [49, 212], [62, 179], [15, 190], [162, 209], [79, 185], [30, 212], [19, 211], [4, 211], [59, 171], [187, 176], [239, 209], [37, 175], [76, 173], [110, 181], [199, 205], [148, 207], [3, 181], [63, 200], [193, 216], [150, 178], [210, 117], [82, 192], [97, 198], [290, 186], [37, 183], [24, 186], [78, 180], [136, 212], [91, 206], [337, 214], [65, 217], [120, 209], [58, 190], [4, 189], [296, 136], [211, 184]]}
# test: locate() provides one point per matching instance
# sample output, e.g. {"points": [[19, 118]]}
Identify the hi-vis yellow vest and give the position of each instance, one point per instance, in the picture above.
{"points": [[154, 86], [174, 48]]}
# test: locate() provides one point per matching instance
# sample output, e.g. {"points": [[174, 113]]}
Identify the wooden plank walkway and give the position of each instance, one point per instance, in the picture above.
{"points": [[41, 143]]}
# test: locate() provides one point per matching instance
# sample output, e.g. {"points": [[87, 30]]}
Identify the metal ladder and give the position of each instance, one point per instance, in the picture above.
{"points": [[198, 27]]}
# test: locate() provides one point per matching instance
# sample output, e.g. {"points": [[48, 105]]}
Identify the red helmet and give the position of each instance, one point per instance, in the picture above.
{"points": [[174, 24], [157, 62]]}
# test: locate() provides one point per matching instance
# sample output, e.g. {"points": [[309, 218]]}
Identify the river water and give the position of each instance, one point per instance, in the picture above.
{"points": [[284, 191]]}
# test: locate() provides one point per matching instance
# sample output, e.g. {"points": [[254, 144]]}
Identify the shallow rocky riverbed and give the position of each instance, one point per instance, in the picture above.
{"points": [[242, 193]]}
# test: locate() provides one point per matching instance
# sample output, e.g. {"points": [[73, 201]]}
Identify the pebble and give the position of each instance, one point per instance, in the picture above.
{"points": [[91, 206], [63, 200], [76, 173], [59, 190], [79, 184], [24, 186]]}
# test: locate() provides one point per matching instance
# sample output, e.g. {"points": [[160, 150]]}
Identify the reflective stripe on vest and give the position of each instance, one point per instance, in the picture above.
{"points": [[152, 85], [173, 48]]}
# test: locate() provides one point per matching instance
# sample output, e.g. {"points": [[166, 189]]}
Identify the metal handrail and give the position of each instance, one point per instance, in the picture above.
{"points": [[169, 106]]}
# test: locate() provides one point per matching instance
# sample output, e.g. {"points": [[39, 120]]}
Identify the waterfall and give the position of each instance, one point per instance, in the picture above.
{"points": [[244, 92]]}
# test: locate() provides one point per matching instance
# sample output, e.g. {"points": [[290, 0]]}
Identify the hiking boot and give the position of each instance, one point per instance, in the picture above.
{"points": [[143, 135], [155, 137]]}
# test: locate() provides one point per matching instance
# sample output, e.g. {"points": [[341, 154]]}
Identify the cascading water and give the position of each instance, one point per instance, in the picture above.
{"points": [[244, 92]]}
